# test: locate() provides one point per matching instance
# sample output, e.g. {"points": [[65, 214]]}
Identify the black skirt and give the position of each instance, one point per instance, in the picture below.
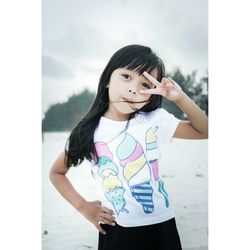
{"points": [[161, 236]]}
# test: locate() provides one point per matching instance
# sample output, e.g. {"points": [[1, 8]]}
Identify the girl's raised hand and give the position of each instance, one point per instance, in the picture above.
{"points": [[96, 213], [167, 88]]}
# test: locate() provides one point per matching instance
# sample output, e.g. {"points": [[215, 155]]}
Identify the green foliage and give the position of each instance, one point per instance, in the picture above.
{"points": [[64, 116], [197, 91]]}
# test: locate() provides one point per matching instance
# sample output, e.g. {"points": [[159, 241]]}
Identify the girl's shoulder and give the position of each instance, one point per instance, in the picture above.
{"points": [[159, 116]]}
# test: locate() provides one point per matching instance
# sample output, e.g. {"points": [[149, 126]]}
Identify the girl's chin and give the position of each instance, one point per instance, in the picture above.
{"points": [[125, 108]]}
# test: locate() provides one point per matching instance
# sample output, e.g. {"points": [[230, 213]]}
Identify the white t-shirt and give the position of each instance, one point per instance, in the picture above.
{"points": [[127, 168]]}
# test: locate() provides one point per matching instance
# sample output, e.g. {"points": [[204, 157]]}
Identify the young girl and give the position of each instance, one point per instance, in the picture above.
{"points": [[120, 135]]}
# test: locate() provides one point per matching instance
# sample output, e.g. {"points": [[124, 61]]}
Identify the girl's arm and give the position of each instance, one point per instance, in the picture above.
{"points": [[92, 211], [197, 126]]}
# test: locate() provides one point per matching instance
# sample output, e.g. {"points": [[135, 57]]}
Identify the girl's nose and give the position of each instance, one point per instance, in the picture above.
{"points": [[132, 91]]}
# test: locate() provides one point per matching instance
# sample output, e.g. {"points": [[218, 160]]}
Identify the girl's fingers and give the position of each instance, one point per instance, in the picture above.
{"points": [[105, 221], [171, 80], [149, 92], [107, 217], [167, 82], [106, 210], [151, 79], [98, 226]]}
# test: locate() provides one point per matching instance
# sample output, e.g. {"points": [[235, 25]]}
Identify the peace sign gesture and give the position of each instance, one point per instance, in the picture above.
{"points": [[167, 88]]}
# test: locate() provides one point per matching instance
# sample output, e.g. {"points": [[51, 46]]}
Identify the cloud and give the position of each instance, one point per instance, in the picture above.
{"points": [[81, 42], [52, 67], [178, 31]]}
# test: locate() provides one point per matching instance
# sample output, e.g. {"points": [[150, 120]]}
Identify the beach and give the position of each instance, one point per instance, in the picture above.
{"points": [[185, 174]]}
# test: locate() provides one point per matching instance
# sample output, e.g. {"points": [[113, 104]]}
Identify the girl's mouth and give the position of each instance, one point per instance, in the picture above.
{"points": [[131, 101], [128, 100]]}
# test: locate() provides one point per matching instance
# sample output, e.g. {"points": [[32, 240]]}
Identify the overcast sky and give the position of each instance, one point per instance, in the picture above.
{"points": [[80, 36]]}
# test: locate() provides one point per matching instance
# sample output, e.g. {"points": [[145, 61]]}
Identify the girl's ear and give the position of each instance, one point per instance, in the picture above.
{"points": [[107, 86]]}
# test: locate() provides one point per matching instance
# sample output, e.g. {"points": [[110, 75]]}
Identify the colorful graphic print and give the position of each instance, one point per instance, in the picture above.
{"points": [[113, 187], [136, 171], [152, 153]]}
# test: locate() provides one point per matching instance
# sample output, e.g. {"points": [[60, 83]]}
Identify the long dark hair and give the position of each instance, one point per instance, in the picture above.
{"points": [[80, 144]]}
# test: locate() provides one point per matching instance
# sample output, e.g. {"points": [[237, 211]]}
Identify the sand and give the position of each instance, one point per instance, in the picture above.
{"points": [[186, 177]]}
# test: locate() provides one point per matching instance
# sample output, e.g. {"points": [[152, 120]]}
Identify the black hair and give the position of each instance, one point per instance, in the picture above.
{"points": [[80, 144]]}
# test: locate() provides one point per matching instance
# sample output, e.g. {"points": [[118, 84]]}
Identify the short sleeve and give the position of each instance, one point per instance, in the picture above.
{"points": [[167, 124], [67, 145]]}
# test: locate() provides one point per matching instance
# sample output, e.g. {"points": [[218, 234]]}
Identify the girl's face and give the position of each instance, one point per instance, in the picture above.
{"points": [[124, 96]]}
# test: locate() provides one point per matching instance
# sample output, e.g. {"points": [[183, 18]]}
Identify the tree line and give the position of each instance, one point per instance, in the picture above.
{"points": [[64, 116]]}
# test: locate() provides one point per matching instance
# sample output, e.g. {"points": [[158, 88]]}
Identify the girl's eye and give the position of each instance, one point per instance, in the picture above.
{"points": [[127, 77], [145, 86]]}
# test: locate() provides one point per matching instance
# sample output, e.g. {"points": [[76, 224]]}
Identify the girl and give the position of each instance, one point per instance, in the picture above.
{"points": [[120, 135]]}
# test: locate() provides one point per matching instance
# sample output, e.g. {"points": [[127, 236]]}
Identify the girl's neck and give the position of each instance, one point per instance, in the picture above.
{"points": [[115, 115]]}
